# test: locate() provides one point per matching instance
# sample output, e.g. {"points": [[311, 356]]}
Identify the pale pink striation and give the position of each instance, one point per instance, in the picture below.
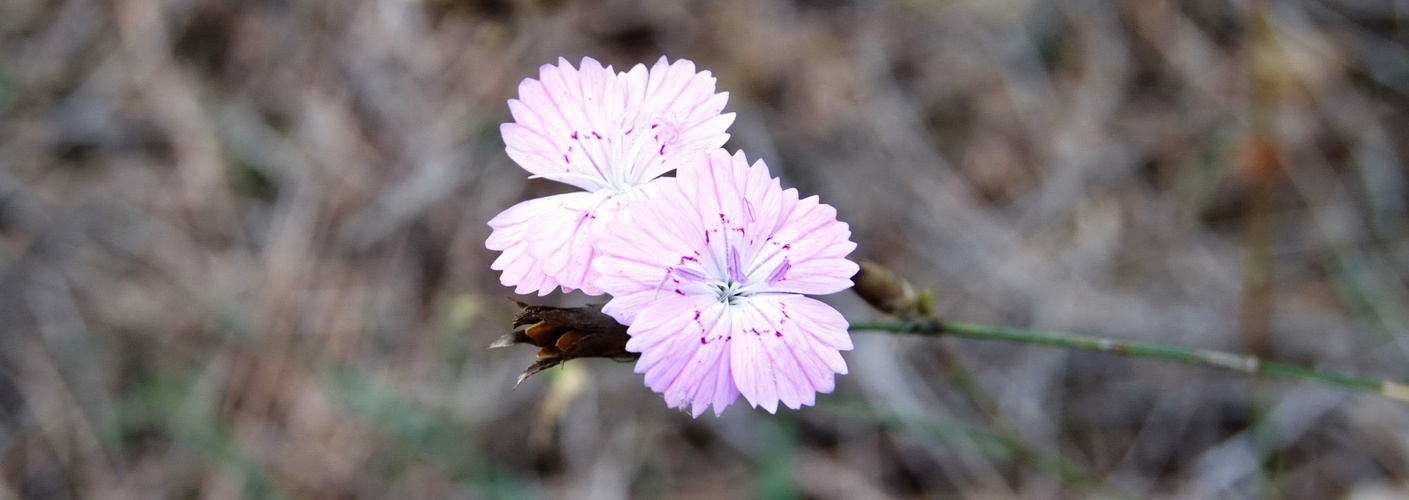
{"points": [[608, 133], [709, 275]]}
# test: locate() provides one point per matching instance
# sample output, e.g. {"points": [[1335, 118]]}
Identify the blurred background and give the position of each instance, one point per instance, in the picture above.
{"points": [[241, 248]]}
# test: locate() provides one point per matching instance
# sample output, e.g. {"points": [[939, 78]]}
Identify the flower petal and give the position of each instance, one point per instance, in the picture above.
{"points": [[788, 351], [561, 238], [554, 122], [676, 112], [753, 370], [814, 244], [523, 272], [637, 252], [510, 235], [596, 129], [684, 346]]}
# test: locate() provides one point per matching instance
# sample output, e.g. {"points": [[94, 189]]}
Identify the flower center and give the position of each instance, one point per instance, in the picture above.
{"points": [[731, 292], [613, 190]]}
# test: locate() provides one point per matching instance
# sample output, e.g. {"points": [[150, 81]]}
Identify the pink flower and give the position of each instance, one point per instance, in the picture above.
{"points": [[709, 275], [607, 133]]}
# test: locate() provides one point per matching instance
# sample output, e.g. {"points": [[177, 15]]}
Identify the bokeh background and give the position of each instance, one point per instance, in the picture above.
{"points": [[241, 247]]}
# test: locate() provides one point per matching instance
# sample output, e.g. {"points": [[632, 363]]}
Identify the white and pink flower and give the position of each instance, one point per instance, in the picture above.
{"points": [[610, 134], [709, 274]]}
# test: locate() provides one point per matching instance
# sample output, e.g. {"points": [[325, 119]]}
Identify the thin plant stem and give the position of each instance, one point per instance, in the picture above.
{"points": [[1202, 357]]}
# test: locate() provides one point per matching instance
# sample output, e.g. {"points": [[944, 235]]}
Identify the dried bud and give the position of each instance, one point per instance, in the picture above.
{"points": [[564, 333], [889, 293]]}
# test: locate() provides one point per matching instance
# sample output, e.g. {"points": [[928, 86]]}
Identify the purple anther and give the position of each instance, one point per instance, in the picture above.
{"points": [[688, 273], [736, 266], [780, 273]]}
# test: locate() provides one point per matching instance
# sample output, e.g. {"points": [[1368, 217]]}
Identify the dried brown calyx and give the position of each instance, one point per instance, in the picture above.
{"points": [[564, 333]]}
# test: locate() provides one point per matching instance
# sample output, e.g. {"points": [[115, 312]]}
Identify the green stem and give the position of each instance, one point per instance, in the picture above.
{"points": [[1201, 357]]}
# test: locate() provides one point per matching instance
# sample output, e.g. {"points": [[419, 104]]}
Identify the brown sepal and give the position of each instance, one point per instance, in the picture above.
{"points": [[564, 333]]}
